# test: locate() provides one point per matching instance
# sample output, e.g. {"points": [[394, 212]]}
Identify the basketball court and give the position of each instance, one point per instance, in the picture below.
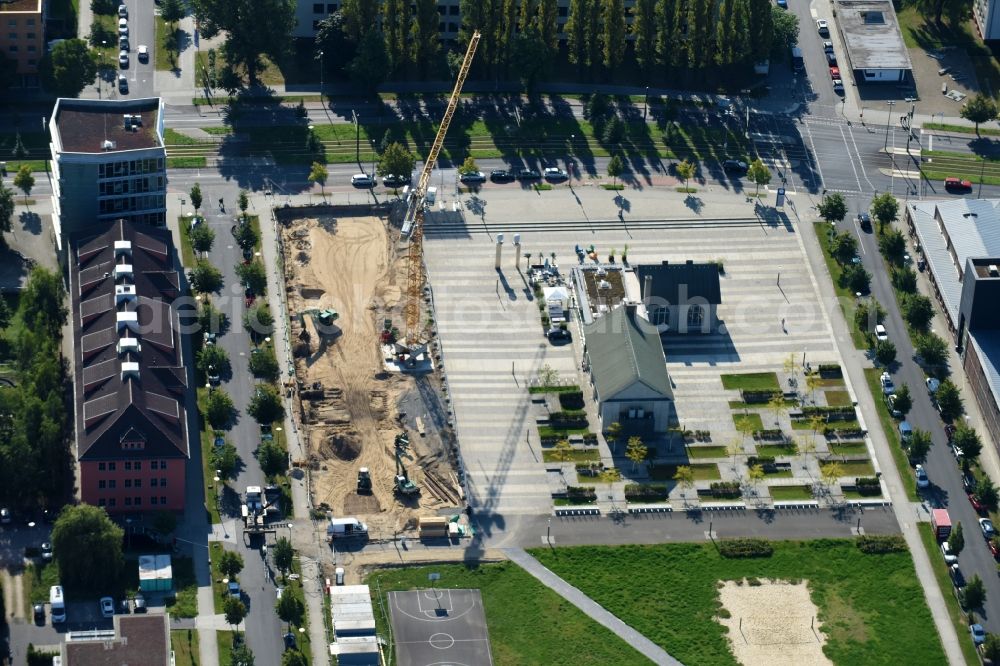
{"points": [[439, 627]]}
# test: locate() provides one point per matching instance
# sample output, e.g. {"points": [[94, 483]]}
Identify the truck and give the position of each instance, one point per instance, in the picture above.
{"points": [[941, 523], [340, 528], [798, 63], [253, 508]]}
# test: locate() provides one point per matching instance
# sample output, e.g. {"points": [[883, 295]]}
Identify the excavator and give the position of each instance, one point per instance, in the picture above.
{"points": [[419, 199], [403, 485]]}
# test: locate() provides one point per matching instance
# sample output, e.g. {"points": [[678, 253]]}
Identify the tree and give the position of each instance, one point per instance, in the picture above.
{"points": [[213, 358], [759, 174], [892, 245], [867, 315], [949, 400], [843, 247], [885, 352], [644, 29], [245, 235], [424, 36], [225, 458], [786, 31], [686, 171], [205, 278], [777, 405], [319, 174], [24, 181], [885, 208], [42, 304], [991, 648], [196, 198], [234, 610], [283, 554], [613, 433], [396, 160], [371, 62], [987, 494], [919, 445], [547, 375], [761, 27], [290, 609], [563, 451], [979, 109], [469, 166], [272, 458], [6, 208], [613, 33], [917, 310], [967, 439], [956, 540], [243, 202], [579, 28], [903, 403], [830, 473], [172, 11], [258, 320], [615, 168], [932, 349], [87, 547], [684, 476], [265, 405], [394, 27], [755, 474], [230, 564], [635, 451], [212, 320], [974, 594], [219, 408], [833, 208], [240, 654], [904, 279], [264, 364], [358, 18], [252, 28], [68, 68], [856, 278], [253, 276], [202, 237], [293, 657]]}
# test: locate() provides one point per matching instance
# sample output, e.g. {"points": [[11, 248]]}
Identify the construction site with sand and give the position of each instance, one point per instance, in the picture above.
{"points": [[345, 273]]}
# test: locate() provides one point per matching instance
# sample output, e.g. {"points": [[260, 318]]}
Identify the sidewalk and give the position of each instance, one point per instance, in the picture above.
{"points": [[855, 362], [648, 648]]}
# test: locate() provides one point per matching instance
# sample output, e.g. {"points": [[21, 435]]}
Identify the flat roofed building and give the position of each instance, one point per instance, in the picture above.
{"points": [[136, 639], [873, 41], [987, 16], [22, 37], [108, 163]]}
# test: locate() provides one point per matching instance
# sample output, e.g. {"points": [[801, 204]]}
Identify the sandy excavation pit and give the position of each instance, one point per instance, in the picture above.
{"points": [[347, 404], [772, 624]]}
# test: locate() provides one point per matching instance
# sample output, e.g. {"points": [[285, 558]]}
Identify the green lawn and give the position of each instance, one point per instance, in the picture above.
{"points": [[790, 493], [944, 582], [748, 421], [775, 450], [706, 452], [844, 296], [207, 437], [945, 127], [576, 455], [166, 59], [703, 472], [219, 591], [849, 449], [187, 252], [224, 640], [172, 137], [184, 643], [838, 398], [528, 623], [857, 468], [196, 162], [872, 606], [38, 578], [753, 381], [186, 586], [891, 433], [553, 389]]}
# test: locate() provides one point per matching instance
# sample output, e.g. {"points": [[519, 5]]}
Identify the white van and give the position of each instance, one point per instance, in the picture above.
{"points": [[345, 527], [362, 180], [57, 604]]}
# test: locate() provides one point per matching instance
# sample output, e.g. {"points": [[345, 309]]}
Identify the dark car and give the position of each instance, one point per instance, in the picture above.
{"points": [[122, 85], [472, 177], [528, 174], [831, 59], [289, 639], [734, 166], [969, 482], [395, 181], [39, 610], [865, 221], [249, 296], [501, 176]]}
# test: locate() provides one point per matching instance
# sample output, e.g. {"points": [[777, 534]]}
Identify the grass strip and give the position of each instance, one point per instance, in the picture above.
{"points": [[752, 381]]}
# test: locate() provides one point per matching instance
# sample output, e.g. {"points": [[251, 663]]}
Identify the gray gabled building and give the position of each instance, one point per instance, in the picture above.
{"points": [[628, 371]]}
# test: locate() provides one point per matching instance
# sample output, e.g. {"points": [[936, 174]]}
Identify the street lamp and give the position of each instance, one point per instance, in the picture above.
{"points": [[887, 120], [645, 104], [321, 75], [104, 44], [290, 526]]}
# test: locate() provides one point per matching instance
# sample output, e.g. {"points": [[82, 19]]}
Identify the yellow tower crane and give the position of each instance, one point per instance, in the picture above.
{"points": [[414, 221]]}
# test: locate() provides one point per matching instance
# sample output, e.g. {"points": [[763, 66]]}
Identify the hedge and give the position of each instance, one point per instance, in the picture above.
{"points": [[879, 544], [727, 489], [867, 485], [740, 548], [758, 397], [833, 413], [571, 400], [768, 434], [641, 491], [830, 370], [581, 492], [763, 461], [574, 419]]}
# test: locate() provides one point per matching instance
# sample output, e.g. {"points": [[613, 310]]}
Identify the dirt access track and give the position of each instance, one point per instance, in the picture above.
{"points": [[348, 405]]}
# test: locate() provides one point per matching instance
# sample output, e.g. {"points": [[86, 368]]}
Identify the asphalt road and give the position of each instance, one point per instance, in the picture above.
{"points": [[263, 629], [946, 484], [141, 30]]}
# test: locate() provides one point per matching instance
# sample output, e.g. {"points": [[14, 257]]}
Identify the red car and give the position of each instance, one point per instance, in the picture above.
{"points": [[977, 505], [957, 185], [834, 72], [994, 549]]}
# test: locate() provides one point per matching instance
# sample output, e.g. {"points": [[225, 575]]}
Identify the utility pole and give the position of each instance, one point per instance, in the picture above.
{"points": [[645, 104], [357, 138], [321, 75], [887, 120]]}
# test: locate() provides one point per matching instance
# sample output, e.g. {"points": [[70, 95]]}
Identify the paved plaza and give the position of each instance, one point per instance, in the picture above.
{"points": [[492, 337]]}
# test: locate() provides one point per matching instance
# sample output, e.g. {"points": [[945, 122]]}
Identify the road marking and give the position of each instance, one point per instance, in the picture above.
{"points": [[860, 161], [812, 157]]}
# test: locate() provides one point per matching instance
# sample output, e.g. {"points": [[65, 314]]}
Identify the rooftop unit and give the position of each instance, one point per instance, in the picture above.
{"points": [[123, 248], [129, 320], [128, 345], [124, 293], [107, 144], [123, 270], [130, 369], [994, 271]]}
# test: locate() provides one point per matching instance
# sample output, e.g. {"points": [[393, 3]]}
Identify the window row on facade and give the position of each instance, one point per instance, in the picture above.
{"points": [[106, 206], [129, 168], [111, 484], [111, 187], [111, 502], [131, 465]]}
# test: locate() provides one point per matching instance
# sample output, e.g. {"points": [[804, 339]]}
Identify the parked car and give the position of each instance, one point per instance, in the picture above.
{"points": [[39, 613], [932, 385], [957, 185], [950, 558], [123, 44], [986, 525], [827, 47], [838, 86], [555, 174], [474, 177], [956, 576], [107, 607], [887, 385], [338, 576], [123, 11], [922, 480], [139, 603], [831, 58], [362, 180], [978, 633], [123, 59], [123, 26], [143, 53], [249, 296], [528, 174], [865, 221], [834, 72], [122, 84], [890, 402], [6, 517], [880, 332], [823, 28], [46, 551], [968, 482], [994, 548], [734, 166], [782, 3], [289, 639], [501, 176], [395, 180]]}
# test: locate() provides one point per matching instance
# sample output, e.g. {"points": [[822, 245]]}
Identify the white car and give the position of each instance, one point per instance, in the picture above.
{"points": [[122, 11], [880, 332], [823, 28], [932, 385], [362, 180], [339, 575], [473, 177], [107, 607], [123, 59], [123, 27], [554, 173], [950, 558], [887, 386], [143, 53], [922, 480]]}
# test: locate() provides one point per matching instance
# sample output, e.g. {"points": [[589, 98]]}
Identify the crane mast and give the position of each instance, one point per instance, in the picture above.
{"points": [[413, 222]]}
